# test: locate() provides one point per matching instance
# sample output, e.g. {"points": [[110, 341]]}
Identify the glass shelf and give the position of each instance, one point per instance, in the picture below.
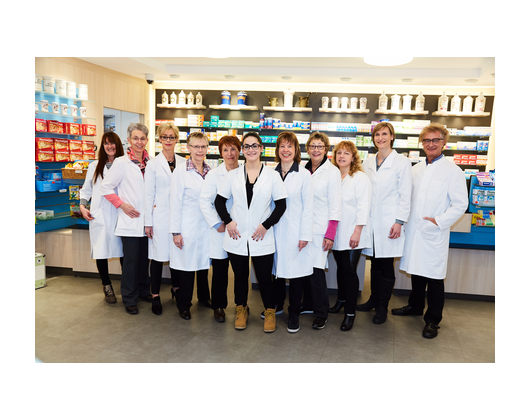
{"points": [[54, 95], [53, 114]]}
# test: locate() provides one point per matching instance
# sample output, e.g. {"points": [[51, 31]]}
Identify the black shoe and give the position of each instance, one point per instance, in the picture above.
{"points": [[406, 310], [319, 323], [347, 322], [293, 325], [380, 316], [157, 306], [185, 315], [430, 330], [132, 310], [174, 294], [147, 298], [278, 312], [367, 306], [337, 307], [219, 314]]}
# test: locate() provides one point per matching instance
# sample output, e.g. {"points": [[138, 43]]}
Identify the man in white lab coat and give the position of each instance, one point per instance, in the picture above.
{"points": [[439, 199]]}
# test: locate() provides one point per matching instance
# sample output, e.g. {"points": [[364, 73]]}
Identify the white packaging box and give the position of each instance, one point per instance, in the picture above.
{"points": [[179, 122], [40, 270], [400, 143], [467, 145]]}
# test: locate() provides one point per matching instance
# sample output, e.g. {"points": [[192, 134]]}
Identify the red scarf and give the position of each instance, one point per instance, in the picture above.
{"points": [[143, 163]]}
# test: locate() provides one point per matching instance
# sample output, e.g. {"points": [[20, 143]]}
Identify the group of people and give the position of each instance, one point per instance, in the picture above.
{"points": [[284, 219]]}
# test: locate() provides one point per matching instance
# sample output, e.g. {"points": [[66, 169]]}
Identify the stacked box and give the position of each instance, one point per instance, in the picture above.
{"points": [[40, 125], [62, 150]]}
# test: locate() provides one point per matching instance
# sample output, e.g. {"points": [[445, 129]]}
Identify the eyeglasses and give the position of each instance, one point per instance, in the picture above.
{"points": [[139, 138], [434, 141], [254, 146], [168, 138], [319, 147], [198, 147]]}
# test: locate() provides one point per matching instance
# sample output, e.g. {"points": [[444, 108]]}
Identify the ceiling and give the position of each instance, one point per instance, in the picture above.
{"points": [[428, 71]]}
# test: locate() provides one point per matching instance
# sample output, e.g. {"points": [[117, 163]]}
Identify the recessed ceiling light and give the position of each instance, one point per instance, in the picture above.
{"points": [[471, 80], [174, 76], [407, 80], [387, 61], [345, 79], [286, 77], [229, 76]]}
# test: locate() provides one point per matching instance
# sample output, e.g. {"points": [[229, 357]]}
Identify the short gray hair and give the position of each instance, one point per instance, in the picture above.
{"points": [[137, 126]]}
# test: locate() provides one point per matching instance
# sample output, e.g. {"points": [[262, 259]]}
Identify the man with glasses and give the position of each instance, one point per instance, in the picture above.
{"points": [[439, 199]]}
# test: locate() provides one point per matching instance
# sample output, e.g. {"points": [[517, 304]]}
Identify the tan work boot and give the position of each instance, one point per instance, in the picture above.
{"points": [[270, 320], [110, 297], [241, 317]]}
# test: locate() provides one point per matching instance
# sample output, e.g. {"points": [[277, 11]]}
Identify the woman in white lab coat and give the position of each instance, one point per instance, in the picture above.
{"points": [[439, 199], [102, 215], [249, 226], [229, 148], [325, 179], [127, 178], [157, 184], [191, 250], [353, 229], [294, 231], [390, 174]]}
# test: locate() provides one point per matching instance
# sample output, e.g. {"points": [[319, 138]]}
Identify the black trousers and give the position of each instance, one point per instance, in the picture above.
{"points": [[347, 278], [103, 270], [318, 290], [435, 297], [186, 283], [279, 291], [156, 276], [220, 283], [262, 267], [135, 273]]}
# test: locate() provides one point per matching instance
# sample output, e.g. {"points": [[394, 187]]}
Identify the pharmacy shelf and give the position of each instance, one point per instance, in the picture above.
{"points": [[54, 95], [53, 114], [391, 112], [288, 109], [344, 111], [235, 107], [460, 114], [175, 106]]}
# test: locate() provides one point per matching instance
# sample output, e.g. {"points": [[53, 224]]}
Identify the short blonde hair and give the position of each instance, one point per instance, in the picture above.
{"points": [[319, 136], [356, 164], [286, 136], [433, 128], [162, 128], [197, 135]]}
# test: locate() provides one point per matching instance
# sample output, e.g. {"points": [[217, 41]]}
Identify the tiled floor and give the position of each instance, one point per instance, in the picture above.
{"points": [[74, 324]]}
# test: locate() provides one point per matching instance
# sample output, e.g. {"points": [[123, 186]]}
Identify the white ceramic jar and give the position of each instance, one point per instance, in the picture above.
{"points": [[396, 101], [362, 103], [288, 96], [468, 104], [49, 84], [60, 87], [443, 102], [383, 102], [83, 92], [325, 102], [38, 82], [420, 103], [455, 103], [82, 112], [344, 102], [165, 98], [55, 107], [480, 103], [407, 102], [71, 89], [73, 110], [191, 98], [64, 109], [353, 103], [44, 105], [198, 99], [334, 102]]}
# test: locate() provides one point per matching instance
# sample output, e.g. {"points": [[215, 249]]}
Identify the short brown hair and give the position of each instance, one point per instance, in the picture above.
{"points": [[286, 136], [379, 127], [252, 134], [356, 164], [319, 136], [229, 141], [432, 128]]}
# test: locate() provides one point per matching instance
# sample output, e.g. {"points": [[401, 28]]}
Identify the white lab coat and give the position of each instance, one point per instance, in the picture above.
{"points": [[391, 189], [326, 183], [356, 193], [438, 190], [126, 176], [103, 243], [185, 217], [268, 188], [157, 185], [212, 183], [295, 225]]}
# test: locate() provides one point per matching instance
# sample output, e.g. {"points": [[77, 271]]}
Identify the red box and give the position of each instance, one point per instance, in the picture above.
{"points": [[40, 125], [457, 161], [473, 158], [89, 155], [76, 156], [457, 156], [62, 156], [91, 130], [61, 145], [88, 146], [44, 144], [44, 155], [75, 146], [73, 128]]}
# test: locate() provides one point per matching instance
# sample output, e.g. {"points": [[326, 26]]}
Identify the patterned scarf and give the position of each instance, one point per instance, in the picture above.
{"points": [[143, 163]]}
